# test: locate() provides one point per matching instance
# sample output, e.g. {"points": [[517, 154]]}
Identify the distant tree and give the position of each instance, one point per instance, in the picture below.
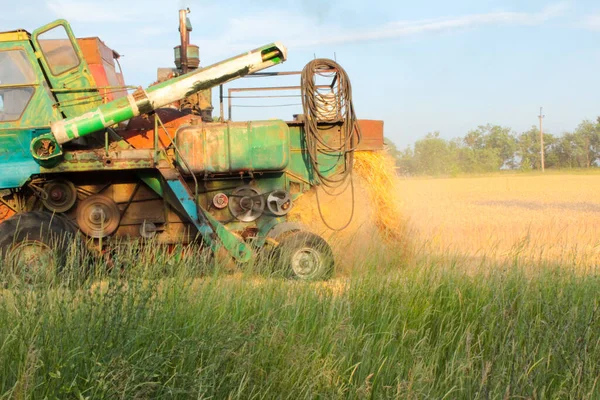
{"points": [[390, 147], [492, 148], [568, 151], [528, 149], [432, 155], [588, 139], [488, 148], [550, 158], [578, 149], [405, 160]]}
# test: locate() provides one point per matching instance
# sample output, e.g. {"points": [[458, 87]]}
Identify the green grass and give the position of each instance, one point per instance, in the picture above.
{"points": [[170, 328]]}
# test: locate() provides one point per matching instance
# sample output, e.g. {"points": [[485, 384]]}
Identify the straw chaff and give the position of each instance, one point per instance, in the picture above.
{"points": [[376, 202]]}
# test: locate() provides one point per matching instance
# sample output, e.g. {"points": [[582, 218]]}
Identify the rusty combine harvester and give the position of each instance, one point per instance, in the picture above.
{"points": [[82, 152]]}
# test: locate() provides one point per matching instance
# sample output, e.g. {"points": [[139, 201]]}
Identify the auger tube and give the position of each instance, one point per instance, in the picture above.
{"points": [[144, 101]]}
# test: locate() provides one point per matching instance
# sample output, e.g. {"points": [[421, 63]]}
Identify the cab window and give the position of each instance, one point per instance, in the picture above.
{"points": [[16, 73], [58, 50], [15, 68]]}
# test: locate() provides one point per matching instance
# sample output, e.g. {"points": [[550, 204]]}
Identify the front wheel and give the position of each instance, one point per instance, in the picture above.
{"points": [[305, 256], [33, 245]]}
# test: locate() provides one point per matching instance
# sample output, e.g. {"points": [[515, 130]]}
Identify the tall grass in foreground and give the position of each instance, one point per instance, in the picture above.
{"points": [[173, 327]]}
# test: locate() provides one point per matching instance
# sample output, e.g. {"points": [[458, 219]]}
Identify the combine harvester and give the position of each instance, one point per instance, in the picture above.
{"points": [[79, 153]]}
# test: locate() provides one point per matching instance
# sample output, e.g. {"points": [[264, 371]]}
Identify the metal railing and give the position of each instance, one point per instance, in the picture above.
{"points": [[230, 92]]}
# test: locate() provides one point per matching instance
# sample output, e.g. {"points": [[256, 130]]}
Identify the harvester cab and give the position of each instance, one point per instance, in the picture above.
{"points": [[82, 152], [49, 70]]}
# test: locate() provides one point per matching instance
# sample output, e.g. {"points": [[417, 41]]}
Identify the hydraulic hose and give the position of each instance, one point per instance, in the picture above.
{"points": [[313, 99]]}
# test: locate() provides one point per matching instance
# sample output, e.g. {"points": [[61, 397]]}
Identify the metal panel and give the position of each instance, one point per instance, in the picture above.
{"points": [[80, 97], [372, 135], [100, 59], [217, 148], [15, 158]]}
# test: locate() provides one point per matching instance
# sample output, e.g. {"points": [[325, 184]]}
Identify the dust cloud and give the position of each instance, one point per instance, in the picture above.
{"points": [[377, 221]]}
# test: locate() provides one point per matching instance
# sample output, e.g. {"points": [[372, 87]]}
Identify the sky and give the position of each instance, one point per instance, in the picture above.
{"points": [[420, 66]]}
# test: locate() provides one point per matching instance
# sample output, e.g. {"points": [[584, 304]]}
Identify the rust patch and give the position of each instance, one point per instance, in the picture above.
{"points": [[372, 135], [142, 101], [5, 212], [140, 130]]}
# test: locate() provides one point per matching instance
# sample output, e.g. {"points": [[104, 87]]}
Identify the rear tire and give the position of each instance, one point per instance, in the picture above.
{"points": [[34, 245], [305, 256]]}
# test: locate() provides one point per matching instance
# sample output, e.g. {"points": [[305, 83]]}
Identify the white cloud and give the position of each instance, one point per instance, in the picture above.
{"points": [[592, 22], [298, 32], [137, 27], [307, 31], [410, 28]]}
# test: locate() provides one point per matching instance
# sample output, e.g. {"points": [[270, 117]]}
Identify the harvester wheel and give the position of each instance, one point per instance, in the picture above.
{"points": [[305, 256], [34, 244]]}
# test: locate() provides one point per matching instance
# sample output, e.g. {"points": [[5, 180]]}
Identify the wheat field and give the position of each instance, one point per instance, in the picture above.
{"points": [[554, 217]]}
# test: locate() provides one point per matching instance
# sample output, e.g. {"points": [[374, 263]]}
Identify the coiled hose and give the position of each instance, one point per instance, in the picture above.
{"points": [[313, 99]]}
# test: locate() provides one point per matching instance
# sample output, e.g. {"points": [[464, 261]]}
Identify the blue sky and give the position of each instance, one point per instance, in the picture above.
{"points": [[424, 66]]}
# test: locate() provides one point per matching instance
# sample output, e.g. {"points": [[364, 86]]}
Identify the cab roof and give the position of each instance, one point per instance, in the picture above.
{"points": [[13, 36]]}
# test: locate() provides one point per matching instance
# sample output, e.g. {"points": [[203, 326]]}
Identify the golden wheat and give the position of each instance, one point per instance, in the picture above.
{"points": [[552, 217]]}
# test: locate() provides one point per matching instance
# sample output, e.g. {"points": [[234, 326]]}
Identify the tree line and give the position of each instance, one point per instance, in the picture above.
{"points": [[493, 148]]}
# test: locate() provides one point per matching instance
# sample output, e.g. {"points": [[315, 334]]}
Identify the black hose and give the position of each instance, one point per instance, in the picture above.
{"points": [[312, 96]]}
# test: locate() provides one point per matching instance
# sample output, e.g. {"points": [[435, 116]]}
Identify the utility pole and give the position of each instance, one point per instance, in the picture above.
{"points": [[542, 138]]}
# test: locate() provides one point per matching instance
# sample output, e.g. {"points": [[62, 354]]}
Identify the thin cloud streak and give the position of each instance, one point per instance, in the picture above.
{"points": [[249, 31], [403, 28], [140, 24], [592, 22]]}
